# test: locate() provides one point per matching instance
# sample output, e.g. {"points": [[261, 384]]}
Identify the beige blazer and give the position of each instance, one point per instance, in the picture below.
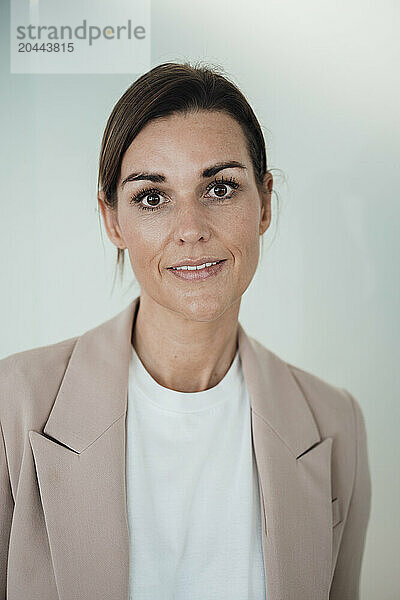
{"points": [[63, 515]]}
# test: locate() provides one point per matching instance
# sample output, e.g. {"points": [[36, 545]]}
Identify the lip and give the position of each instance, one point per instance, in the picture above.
{"points": [[195, 262], [199, 275]]}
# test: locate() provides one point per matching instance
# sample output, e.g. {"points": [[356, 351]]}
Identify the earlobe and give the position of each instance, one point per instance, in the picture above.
{"points": [[262, 219], [110, 219], [265, 219], [266, 192]]}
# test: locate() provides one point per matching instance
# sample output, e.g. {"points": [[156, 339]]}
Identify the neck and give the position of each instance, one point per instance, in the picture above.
{"points": [[182, 354]]}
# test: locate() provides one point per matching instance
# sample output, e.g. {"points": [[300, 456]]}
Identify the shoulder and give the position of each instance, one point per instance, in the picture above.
{"points": [[315, 388], [32, 377], [30, 362], [329, 400], [335, 410]]}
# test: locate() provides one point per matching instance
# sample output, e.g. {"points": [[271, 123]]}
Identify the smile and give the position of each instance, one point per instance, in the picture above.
{"points": [[198, 272], [197, 268]]}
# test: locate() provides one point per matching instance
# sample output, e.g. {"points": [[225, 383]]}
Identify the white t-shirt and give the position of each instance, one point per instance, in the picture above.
{"points": [[192, 491]]}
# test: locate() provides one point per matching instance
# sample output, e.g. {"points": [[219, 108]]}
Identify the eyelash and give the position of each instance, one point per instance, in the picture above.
{"points": [[217, 181]]}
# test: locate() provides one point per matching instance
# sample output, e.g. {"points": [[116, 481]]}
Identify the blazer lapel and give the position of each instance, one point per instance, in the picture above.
{"points": [[294, 467], [80, 464]]}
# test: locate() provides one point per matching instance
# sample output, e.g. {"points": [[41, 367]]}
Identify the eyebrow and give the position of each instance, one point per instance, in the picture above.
{"points": [[206, 173]]}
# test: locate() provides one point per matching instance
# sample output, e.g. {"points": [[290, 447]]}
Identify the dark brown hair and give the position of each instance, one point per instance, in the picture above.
{"points": [[167, 89]]}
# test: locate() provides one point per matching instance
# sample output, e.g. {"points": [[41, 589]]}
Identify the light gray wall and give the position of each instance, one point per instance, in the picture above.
{"points": [[323, 78]]}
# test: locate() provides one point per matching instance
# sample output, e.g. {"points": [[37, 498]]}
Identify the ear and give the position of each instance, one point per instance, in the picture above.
{"points": [[110, 218], [265, 195]]}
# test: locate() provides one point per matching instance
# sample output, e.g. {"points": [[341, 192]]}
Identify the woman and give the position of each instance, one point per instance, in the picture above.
{"points": [[165, 453]]}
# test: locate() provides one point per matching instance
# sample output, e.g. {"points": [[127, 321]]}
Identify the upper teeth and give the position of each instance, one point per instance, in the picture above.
{"points": [[186, 267]]}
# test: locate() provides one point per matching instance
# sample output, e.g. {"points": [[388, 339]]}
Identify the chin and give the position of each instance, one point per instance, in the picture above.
{"points": [[202, 309]]}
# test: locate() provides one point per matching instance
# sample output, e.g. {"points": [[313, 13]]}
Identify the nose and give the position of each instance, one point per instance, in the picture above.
{"points": [[191, 224]]}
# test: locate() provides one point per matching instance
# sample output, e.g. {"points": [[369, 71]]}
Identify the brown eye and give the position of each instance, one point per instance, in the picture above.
{"points": [[152, 198], [220, 190], [223, 189]]}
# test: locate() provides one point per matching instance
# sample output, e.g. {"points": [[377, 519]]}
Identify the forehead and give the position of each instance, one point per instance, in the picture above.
{"points": [[179, 140]]}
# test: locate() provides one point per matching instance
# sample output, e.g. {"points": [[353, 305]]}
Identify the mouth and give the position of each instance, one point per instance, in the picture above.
{"points": [[198, 273]]}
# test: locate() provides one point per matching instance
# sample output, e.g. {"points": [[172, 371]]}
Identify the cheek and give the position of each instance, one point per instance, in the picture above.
{"points": [[244, 234], [143, 239]]}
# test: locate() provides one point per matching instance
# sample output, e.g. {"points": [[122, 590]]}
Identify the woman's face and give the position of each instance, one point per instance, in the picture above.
{"points": [[189, 212]]}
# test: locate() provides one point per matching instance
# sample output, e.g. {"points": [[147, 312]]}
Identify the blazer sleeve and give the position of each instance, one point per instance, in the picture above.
{"points": [[6, 512], [346, 577]]}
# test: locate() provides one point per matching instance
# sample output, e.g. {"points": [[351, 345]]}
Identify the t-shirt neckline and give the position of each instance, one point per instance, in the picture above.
{"points": [[186, 402]]}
